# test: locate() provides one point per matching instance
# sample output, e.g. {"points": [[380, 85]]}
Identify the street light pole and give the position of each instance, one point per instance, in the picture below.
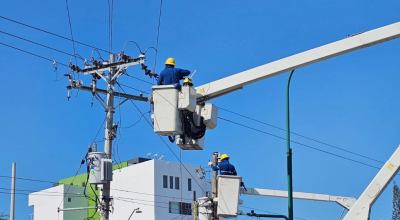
{"points": [[289, 152]]}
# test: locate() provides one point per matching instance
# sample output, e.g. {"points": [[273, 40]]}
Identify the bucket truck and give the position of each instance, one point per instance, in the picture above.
{"points": [[185, 116], [227, 200]]}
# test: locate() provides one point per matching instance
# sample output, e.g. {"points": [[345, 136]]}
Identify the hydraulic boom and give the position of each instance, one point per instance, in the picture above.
{"points": [[231, 83]]}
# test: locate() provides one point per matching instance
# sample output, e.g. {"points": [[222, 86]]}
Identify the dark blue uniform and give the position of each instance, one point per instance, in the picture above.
{"points": [[171, 76], [225, 168]]}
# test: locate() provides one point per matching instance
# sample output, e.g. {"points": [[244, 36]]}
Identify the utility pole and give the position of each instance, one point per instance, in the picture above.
{"points": [[12, 203], [103, 176], [110, 132], [214, 187]]}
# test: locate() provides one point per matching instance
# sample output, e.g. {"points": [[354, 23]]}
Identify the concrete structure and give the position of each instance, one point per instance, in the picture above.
{"points": [[160, 189], [46, 202]]}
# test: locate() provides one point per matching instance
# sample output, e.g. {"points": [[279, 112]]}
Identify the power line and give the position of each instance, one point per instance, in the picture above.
{"points": [[305, 137], [45, 58], [139, 79], [158, 35], [72, 35], [57, 35], [72, 181], [134, 88], [149, 194], [42, 45], [28, 179], [295, 142], [37, 194]]}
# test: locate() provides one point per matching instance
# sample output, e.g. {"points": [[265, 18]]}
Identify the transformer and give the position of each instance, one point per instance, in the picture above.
{"points": [[100, 168]]}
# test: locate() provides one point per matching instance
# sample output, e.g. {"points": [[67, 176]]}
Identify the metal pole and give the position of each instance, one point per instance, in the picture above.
{"points": [[12, 203], [289, 153], [214, 186], [108, 138]]}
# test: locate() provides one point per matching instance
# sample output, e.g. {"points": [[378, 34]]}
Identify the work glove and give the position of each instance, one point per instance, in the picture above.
{"points": [[209, 163]]}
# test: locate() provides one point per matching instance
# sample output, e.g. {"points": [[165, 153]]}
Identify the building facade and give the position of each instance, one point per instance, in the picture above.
{"points": [[159, 189]]}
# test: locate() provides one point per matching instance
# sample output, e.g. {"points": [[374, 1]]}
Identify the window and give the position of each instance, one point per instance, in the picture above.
{"points": [[189, 184], [165, 181], [180, 208], [171, 182], [176, 182], [69, 199]]}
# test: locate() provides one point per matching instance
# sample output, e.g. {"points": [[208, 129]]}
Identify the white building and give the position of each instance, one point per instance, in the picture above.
{"points": [[160, 189]]}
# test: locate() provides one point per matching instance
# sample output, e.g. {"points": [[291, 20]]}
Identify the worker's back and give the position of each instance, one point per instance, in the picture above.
{"points": [[171, 75], [226, 168]]}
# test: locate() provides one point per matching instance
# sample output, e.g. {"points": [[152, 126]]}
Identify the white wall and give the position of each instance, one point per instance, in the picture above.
{"points": [[137, 178], [136, 186], [174, 195], [46, 202]]}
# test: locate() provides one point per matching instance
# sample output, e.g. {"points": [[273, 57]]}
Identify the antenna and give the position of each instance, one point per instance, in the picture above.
{"points": [[155, 156], [148, 155], [161, 157]]}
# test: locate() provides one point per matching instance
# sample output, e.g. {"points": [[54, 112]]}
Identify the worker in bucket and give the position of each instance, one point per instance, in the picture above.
{"points": [[171, 75], [224, 167]]}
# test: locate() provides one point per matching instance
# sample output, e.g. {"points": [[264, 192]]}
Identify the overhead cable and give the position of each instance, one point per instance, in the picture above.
{"points": [[158, 35], [305, 137], [28, 179], [42, 45], [295, 142], [70, 29], [57, 35], [45, 58]]}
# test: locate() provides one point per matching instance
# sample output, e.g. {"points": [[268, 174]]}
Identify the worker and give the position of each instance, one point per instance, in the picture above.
{"points": [[171, 75], [224, 167]]}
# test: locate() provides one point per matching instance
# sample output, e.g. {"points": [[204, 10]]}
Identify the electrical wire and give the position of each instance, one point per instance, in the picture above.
{"points": [[295, 142], [120, 125], [297, 134], [42, 45], [48, 32], [134, 88], [27, 194], [45, 58], [166, 144], [158, 35], [79, 168], [35, 191], [133, 123], [138, 79], [131, 41], [149, 194], [28, 179], [70, 29], [98, 131]]}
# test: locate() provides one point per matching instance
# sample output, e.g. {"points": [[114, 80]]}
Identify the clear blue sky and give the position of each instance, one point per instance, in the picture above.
{"points": [[351, 101]]}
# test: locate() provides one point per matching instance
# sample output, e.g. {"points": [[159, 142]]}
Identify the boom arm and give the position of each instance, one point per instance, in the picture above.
{"points": [[345, 202], [231, 83], [362, 207]]}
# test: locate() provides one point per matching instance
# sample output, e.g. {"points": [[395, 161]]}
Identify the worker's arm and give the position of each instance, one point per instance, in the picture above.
{"points": [[214, 168], [183, 73], [160, 80]]}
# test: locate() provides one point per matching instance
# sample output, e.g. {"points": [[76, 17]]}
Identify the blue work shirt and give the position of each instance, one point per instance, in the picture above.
{"points": [[225, 168], [171, 76]]}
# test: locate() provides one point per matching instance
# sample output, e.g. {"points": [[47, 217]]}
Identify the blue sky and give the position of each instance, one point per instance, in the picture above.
{"points": [[351, 101]]}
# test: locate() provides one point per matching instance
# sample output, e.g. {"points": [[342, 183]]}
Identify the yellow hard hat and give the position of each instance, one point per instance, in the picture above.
{"points": [[224, 156], [170, 61]]}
